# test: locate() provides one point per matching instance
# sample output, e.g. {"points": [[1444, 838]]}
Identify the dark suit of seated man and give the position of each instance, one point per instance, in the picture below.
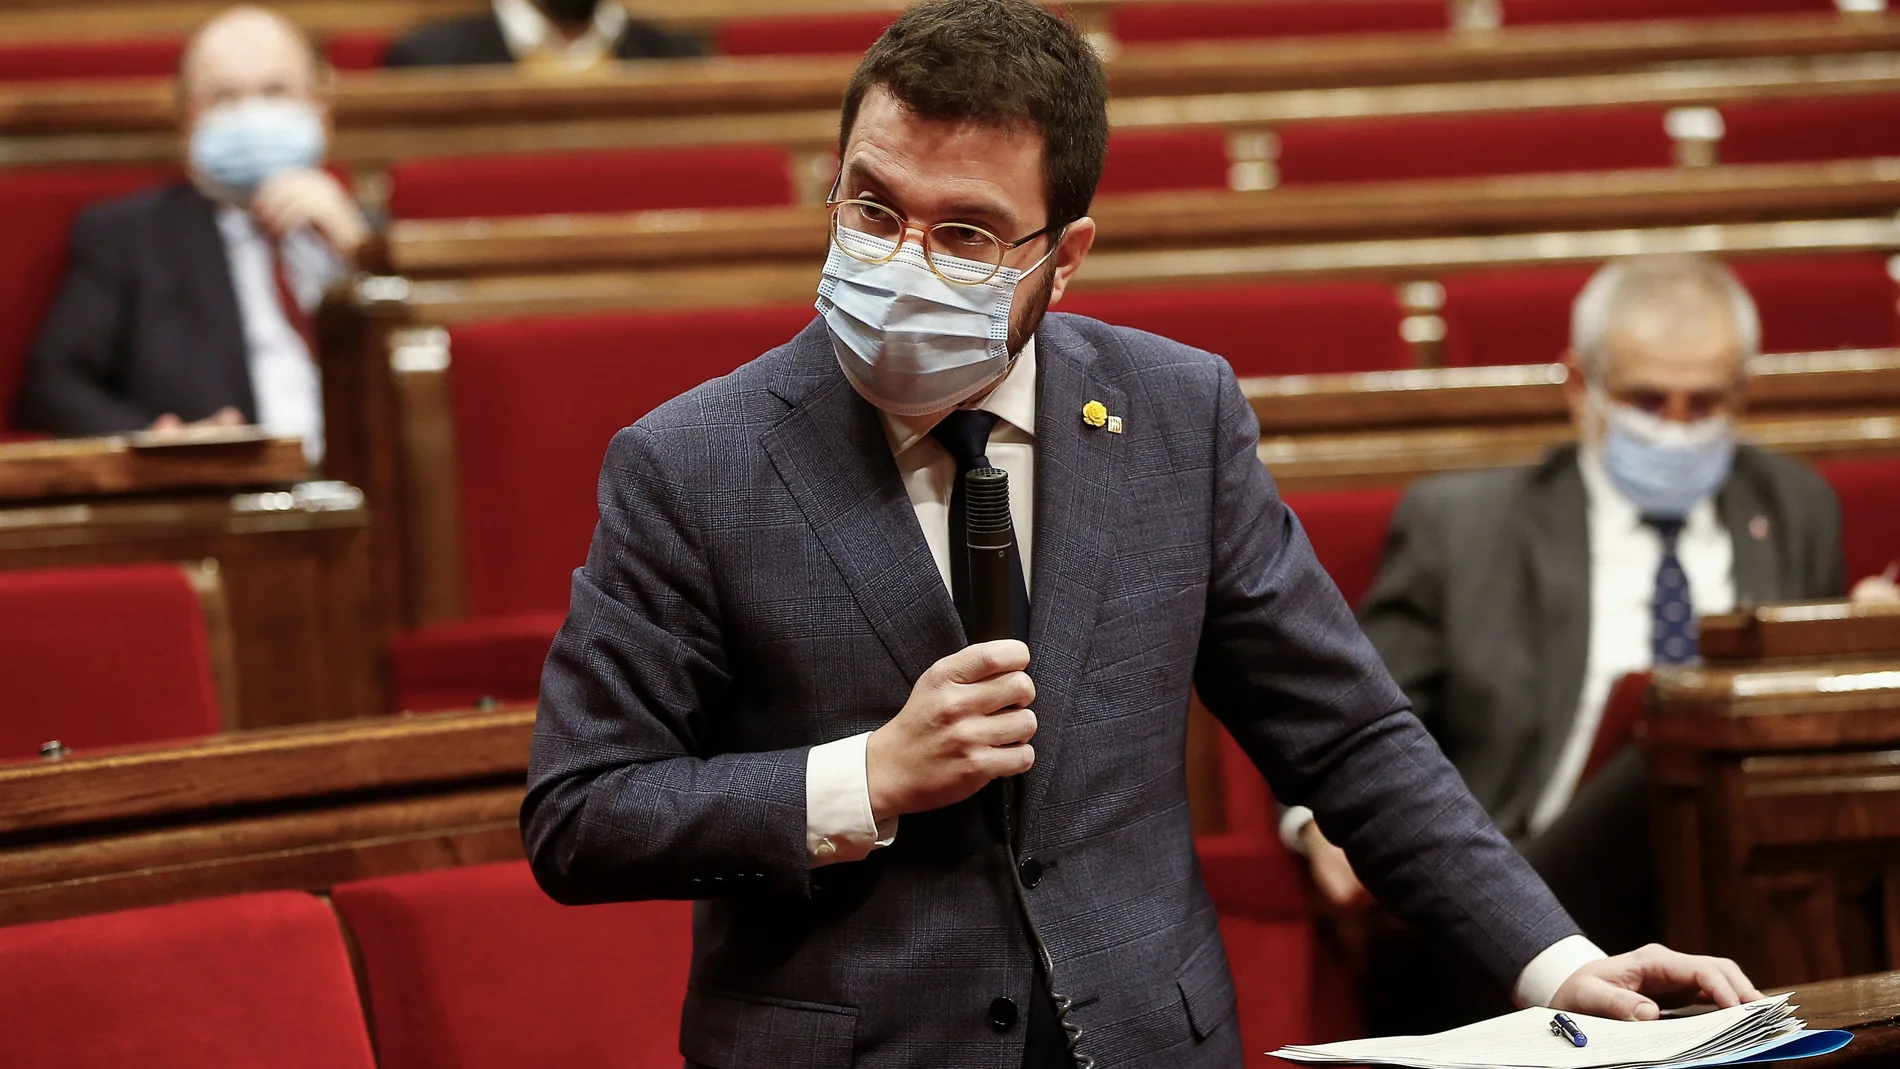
{"points": [[1510, 602], [540, 34], [191, 304], [765, 696]]}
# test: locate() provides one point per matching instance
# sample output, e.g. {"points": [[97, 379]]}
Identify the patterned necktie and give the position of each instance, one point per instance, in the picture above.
{"points": [[965, 434], [1673, 625]]}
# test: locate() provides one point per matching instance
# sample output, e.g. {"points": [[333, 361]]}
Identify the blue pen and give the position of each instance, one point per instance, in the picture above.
{"points": [[1567, 1028]]}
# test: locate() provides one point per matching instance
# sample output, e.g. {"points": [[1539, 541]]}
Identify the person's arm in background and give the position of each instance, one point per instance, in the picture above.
{"points": [[1402, 616], [68, 388], [1284, 665]]}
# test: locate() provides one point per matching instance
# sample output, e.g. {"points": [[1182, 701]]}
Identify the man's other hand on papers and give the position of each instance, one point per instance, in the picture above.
{"points": [[1626, 987]]}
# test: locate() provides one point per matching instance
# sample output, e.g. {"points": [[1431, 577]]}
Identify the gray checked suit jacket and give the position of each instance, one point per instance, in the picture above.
{"points": [[1482, 605], [758, 584]]}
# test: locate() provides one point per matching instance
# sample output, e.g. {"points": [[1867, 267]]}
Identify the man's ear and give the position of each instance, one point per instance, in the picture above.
{"points": [[1077, 238]]}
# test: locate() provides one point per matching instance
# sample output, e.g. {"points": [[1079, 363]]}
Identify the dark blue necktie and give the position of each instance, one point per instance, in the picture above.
{"points": [[965, 434], [1673, 626]]}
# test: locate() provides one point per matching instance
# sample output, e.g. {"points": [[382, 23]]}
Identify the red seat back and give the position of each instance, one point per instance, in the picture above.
{"points": [[37, 208], [473, 968], [1266, 328], [102, 657], [1218, 20], [51, 61], [1146, 163], [1515, 316], [1540, 12], [1386, 149], [1795, 131], [1869, 491], [537, 401], [261, 981], [580, 182], [361, 50], [1347, 530], [802, 35]]}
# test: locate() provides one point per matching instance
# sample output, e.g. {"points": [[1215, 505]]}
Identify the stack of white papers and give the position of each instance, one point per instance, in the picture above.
{"points": [[1765, 1030]]}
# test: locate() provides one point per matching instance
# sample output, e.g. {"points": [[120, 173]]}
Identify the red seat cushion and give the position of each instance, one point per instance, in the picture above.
{"points": [[1530, 142], [1145, 163], [48, 61], [1794, 131], [472, 968], [261, 980], [1266, 328], [37, 207], [1537, 12], [102, 657], [537, 401], [1869, 491], [1137, 22], [580, 182], [802, 35], [457, 665]]}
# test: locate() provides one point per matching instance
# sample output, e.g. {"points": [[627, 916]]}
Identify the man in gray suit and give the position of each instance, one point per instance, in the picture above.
{"points": [[1510, 602], [764, 698]]}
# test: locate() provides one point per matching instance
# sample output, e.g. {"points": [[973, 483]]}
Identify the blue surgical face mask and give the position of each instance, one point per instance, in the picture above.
{"points": [[910, 342], [236, 147], [1664, 467]]}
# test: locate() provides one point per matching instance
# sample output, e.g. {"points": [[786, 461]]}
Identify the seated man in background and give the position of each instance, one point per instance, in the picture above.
{"points": [[191, 303], [1510, 602], [540, 34]]}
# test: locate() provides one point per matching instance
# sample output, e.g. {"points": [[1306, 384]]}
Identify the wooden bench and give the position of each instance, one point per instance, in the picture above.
{"points": [[282, 808], [294, 556]]}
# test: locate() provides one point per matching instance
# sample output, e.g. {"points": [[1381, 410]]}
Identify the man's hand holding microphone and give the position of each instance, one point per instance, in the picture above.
{"points": [[967, 722]]}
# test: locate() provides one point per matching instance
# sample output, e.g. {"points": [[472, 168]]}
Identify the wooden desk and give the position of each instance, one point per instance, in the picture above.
{"points": [[1869, 1006], [282, 808], [294, 557], [1776, 804]]}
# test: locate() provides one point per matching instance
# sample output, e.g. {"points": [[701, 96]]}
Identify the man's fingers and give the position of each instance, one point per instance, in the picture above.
{"points": [[999, 761], [1009, 727], [1739, 979], [1621, 1004], [973, 664], [1012, 690]]}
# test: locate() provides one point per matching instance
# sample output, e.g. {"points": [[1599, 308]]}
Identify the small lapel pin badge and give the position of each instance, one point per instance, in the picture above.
{"points": [[1758, 528], [1095, 414]]}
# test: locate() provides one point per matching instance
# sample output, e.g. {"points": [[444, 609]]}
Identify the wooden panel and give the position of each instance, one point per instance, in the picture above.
{"points": [[297, 576], [84, 467], [1783, 632], [207, 580]]}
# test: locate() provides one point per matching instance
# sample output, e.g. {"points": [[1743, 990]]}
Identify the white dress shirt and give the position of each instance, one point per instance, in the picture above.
{"points": [[529, 35], [1625, 554], [838, 820], [284, 379]]}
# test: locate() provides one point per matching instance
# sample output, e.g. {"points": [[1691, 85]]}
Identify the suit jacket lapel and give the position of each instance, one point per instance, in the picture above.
{"points": [[199, 246], [834, 458], [1746, 514], [1557, 552], [1078, 483]]}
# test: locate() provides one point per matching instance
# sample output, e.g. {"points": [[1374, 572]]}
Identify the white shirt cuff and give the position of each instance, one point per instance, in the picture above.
{"points": [[1537, 985], [838, 821], [1293, 823]]}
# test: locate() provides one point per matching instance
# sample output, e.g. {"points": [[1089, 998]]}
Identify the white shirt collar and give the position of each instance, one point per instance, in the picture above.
{"points": [[1014, 399], [1610, 510], [526, 30]]}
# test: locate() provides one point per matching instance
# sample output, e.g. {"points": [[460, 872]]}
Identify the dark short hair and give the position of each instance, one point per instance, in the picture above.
{"points": [[1005, 63]]}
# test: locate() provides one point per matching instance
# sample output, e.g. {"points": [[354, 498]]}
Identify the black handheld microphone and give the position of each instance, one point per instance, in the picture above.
{"points": [[989, 536]]}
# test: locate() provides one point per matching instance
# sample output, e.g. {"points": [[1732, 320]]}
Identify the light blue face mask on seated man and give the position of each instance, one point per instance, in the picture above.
{"points": [[1662, 466], [239, 146], [910, 342]]}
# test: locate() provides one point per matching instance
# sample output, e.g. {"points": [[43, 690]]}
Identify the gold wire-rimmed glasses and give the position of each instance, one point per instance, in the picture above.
{"points": [[961, 253]]}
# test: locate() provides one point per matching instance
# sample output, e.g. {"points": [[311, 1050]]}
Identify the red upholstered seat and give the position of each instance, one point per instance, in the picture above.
{"points": [[1137, 22], [1514, 316], [1347, 530], [261, 981], [1869, 491], [1529, 142], [802, 35], [1828, 128], [37, 207], [358, 51], [1266, 328], [102, 657], [1811, 303], [459, 664], [49, 61], [1145, 163], [473, 968], [578, 182], [1535, 12]]}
